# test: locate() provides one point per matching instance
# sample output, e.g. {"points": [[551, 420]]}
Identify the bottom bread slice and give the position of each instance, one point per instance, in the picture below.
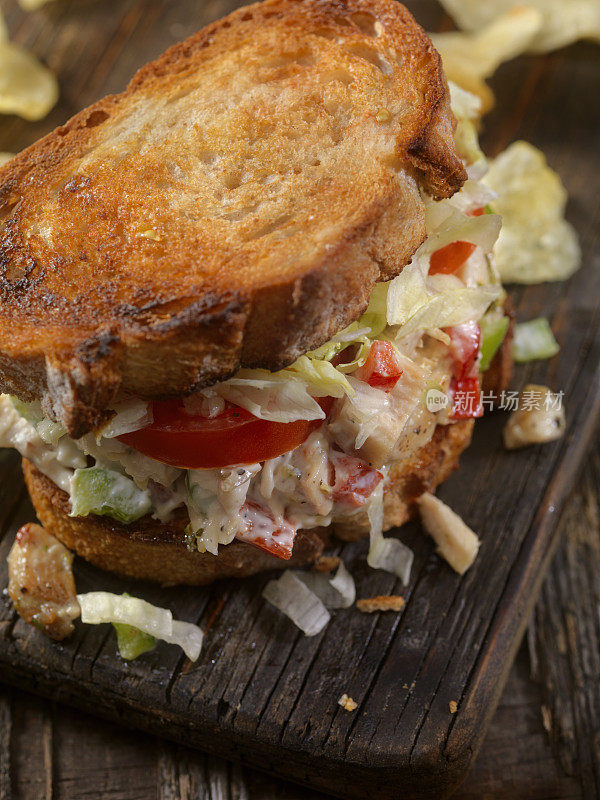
{"points": [[157, 551]]}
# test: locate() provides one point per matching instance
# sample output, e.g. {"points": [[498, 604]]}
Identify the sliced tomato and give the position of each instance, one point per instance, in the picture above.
{"points": [[264, 532], [466, 398], [382, 368], [465, 346], [354, 481], [449, 259], [234, 437]]}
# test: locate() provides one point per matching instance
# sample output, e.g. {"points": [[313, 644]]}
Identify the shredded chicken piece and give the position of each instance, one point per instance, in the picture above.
{"points": [[40, 581]]}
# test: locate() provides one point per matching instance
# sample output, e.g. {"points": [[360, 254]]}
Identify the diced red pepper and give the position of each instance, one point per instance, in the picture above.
{"points": [[264, 532], [476, 212], [382, 368], [466, 398], [354, 481], [449, 259], [465, 346]]}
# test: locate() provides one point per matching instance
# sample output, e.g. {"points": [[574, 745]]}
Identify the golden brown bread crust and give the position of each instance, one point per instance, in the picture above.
{"points": [[159, 240], [156, 551]]}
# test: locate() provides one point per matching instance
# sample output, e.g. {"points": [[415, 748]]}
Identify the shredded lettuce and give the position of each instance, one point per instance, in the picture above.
{"points": [[272, 396], [99, 607], [294, 599], [338, 591], [388, 553], [321, 377], [96, 490], [534, 340], [132, 642]]}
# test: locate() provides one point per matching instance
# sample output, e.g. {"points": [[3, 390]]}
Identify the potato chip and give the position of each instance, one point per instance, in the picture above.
{"points": [[536, 243], [563, 21], [5, 157], [27, 88], [469, 58], [32, 5]]}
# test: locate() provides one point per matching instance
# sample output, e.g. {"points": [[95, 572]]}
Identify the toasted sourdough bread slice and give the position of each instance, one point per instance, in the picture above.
{"points": [[233, 207]]}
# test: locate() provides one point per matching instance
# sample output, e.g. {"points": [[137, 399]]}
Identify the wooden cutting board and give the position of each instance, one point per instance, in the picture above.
{"points": [[261, 692]]}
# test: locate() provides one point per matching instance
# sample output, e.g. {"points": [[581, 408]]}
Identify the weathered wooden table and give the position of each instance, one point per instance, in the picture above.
{"points": [[48, 751]]}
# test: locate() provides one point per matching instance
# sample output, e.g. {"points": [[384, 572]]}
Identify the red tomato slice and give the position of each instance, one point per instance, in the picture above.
{"points": [[354, 481], [265, 533], [466, 398], [234, 437], [465, 346], [382, 367], [447, 260]]}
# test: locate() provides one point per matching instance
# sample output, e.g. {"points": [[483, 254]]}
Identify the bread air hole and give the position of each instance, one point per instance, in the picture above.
{"points": [[368, 24], [96, 118], [340, 75], [271, 227], [366, 53]]}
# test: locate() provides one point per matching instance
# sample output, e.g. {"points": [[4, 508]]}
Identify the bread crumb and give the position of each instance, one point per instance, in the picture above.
{"points": [[347, 702], [546, 719], [453, 706], [383, 602], [326, 563]]}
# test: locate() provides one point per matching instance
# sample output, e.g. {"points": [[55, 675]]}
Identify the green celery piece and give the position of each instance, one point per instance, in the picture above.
{"points": [[132, 642], [107, 493], [534, 340], [493, 331]]}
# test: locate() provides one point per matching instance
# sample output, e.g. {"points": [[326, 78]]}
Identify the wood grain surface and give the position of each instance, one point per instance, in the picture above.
{"points": [[261, 692]]}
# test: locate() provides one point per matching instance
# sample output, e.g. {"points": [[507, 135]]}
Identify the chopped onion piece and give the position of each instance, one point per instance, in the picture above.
{"points": [[297, 602], [131, 415], [534, 340], [455, 541], [336, 592], [388, 554], [99, 607]]}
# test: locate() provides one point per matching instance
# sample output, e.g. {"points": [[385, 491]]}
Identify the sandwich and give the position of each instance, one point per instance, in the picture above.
{"points": [[250, 303]]}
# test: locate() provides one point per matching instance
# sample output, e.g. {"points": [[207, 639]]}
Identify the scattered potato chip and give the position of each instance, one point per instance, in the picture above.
{"points": [[469, 58], [536, 243], [563, 21], [32, 5], [26, 87], [5, 157]]}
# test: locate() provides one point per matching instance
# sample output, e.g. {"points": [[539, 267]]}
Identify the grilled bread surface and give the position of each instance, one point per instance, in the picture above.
{"points": [[233, 207]]}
